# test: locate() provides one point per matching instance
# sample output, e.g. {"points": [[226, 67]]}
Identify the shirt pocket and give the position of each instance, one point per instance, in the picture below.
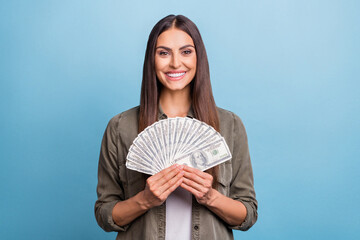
{"points": [[224, 178]]}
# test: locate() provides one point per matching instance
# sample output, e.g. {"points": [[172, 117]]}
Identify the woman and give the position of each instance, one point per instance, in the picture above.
{"points": [[179, 202]]}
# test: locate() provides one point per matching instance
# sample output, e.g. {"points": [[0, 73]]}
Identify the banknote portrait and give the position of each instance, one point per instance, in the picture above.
{"points": [[198, 159]]}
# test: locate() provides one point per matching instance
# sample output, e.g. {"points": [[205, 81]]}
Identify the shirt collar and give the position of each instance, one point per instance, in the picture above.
{"points": [[162, 115]]}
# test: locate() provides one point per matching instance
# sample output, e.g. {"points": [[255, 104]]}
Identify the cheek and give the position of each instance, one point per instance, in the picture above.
{"points": [[160, 65], [157, 65], [191, 63], [158, 62]]}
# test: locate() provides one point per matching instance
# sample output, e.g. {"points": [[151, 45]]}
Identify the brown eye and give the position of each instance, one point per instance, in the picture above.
{"points": [[163, 53], [187, 52]]}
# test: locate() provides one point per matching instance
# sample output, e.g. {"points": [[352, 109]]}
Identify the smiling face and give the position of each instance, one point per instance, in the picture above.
{"points": [[175, 59]]}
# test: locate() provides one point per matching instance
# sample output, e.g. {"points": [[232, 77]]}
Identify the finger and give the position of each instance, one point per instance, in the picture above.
{"points": [[171, 182], [194, 177], [164, 180], [198, 176], [162, 177], [192, 190], [172, 188], [198, 187], [161, 185], [163, 172], [196, 171]]}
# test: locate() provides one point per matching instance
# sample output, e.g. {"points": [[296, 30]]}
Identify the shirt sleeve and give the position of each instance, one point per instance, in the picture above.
{"points": [[242, 184], [109, 188]]}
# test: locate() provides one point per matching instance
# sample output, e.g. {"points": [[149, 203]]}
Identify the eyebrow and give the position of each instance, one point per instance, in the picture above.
{"points": [[169, 49]]}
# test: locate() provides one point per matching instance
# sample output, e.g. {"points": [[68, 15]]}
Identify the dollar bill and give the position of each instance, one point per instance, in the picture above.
{"points": [[207, 156], [177, 140]]}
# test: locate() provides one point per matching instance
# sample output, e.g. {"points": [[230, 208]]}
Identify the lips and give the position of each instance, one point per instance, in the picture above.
{"points": [[175, 75]]}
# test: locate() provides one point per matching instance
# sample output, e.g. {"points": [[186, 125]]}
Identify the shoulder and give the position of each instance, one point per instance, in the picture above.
{"points": [[231, 126], [125, 120], [228, 118]]}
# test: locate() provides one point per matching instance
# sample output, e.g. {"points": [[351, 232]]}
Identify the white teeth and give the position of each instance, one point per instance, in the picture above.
{"points": [[174, 75]]}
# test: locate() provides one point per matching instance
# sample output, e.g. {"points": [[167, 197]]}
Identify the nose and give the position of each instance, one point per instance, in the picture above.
{"points": [[175, 61]]}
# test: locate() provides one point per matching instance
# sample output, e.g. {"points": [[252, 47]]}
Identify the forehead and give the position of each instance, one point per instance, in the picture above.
{"points": [[174, 38]]}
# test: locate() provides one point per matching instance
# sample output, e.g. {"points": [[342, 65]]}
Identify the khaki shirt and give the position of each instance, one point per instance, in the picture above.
{"points": [[117, 183]]}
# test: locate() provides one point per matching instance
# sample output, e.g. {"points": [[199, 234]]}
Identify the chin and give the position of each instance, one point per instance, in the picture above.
{"points": [[176, 88]]}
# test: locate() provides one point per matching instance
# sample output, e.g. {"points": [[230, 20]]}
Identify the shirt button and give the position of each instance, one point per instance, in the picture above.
{"points": [[196, 227]]}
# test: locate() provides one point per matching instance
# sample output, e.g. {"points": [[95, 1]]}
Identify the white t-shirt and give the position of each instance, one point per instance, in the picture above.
{"points": [[178, 215]]}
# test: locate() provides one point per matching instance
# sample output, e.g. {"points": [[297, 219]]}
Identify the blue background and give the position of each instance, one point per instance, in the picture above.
{"points": [[289, 69]]}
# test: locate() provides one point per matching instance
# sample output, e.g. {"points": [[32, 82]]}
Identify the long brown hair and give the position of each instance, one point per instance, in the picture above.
{"points": [[203, 102]]}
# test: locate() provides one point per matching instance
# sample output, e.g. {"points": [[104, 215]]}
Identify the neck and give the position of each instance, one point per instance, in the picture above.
{"points": [[175, 103]]}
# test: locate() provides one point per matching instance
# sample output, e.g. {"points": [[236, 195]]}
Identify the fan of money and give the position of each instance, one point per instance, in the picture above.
{"points": [[180, 140]]}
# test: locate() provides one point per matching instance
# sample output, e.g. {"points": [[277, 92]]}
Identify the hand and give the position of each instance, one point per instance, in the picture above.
{"points": [[161, 185], [199, 184]]}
